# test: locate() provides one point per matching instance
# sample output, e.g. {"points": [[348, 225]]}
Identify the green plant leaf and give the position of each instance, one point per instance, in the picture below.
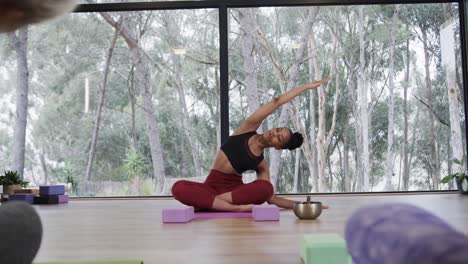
{"points": [[448, 178], [12, 178]]}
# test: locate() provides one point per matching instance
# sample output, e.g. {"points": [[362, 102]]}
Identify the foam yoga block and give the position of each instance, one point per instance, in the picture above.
{"points": [[324, 248], [187, 214], [178, 215], [404, 234], [51, 199], [28, 198], [266, 213], [52, 189]]}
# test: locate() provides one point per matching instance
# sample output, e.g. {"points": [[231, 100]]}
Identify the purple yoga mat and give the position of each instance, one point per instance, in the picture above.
{"points": [[219, 215]]}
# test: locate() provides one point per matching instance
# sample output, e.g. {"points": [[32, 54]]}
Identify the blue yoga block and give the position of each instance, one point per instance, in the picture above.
{"points": [[403, 234], [52, 189], [24, 197]]}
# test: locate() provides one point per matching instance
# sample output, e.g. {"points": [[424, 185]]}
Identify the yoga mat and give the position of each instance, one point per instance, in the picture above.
{"points": [[219, 215], [96, 262]]}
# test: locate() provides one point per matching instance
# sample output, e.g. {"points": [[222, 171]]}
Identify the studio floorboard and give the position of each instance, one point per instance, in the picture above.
{"points": [[131, 229]]}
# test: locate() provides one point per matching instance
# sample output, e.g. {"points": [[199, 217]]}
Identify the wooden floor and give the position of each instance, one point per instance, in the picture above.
{"points": [[132, 229]]}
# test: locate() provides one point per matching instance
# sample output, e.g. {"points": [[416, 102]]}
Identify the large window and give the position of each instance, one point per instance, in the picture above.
{"points": [[391, 119], [119, 103], [126, 103]]}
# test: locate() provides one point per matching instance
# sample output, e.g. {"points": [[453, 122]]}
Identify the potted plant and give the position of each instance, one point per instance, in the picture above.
{"points": [[11, 181], [460, 177]]}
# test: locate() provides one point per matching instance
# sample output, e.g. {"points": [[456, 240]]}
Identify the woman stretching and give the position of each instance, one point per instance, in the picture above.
{"points": [[223, 189]]}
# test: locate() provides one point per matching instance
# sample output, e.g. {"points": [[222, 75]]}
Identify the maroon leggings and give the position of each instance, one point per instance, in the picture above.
{"points": [[202, 195]]}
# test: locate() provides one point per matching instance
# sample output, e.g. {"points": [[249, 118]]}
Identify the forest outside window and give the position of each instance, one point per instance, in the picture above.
{"points": [[127, 103], [120, 103], [392, 118]]}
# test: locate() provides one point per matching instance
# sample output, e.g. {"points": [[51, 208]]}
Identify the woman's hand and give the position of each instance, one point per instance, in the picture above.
{"points": [[316, 84]]}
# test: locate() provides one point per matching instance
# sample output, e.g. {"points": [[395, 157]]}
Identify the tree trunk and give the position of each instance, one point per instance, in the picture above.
{"points": [[391, 104], [405, 116], [131, 93], [19, 41], [186, 124], [292, 82], [347, 179], [313, 123], [363, 105], [44, 166], [319, 138], [143, 77], [102, 94], [247, 31], [433, 142], [448, 58], [322, 139], [297, 158]]}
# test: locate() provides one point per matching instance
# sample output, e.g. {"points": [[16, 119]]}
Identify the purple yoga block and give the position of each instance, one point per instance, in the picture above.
{"points": [[51, 199], [266, 213], [24, 197], [62, 198], [178, 215], [52, 189]]}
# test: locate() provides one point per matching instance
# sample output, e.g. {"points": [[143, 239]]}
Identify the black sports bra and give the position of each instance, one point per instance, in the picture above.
{"points": [[238, 152]]}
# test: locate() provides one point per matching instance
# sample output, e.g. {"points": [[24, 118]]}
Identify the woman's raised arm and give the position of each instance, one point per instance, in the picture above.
{"points": [[254, 121]]}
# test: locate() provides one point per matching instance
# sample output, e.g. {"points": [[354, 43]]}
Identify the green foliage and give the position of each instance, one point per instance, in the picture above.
{"points": [[70, 177], [134, 164], [12, 178], [458, 176]]}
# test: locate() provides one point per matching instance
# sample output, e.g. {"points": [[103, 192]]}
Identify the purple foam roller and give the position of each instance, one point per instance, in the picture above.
{"points": [[266, 213], [24, 197], [178, 215], [403, 234], [52, 189]]}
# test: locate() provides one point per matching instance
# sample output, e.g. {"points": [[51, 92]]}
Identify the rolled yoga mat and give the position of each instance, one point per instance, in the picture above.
{"points": [[403, 234], [20, 232]]}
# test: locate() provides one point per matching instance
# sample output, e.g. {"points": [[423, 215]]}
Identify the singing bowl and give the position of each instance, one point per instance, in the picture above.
{"points": [[307, 210]]}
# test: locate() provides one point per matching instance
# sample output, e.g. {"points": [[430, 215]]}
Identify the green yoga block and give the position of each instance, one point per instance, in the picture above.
{"points": [[324, 249], [96, 262]]}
